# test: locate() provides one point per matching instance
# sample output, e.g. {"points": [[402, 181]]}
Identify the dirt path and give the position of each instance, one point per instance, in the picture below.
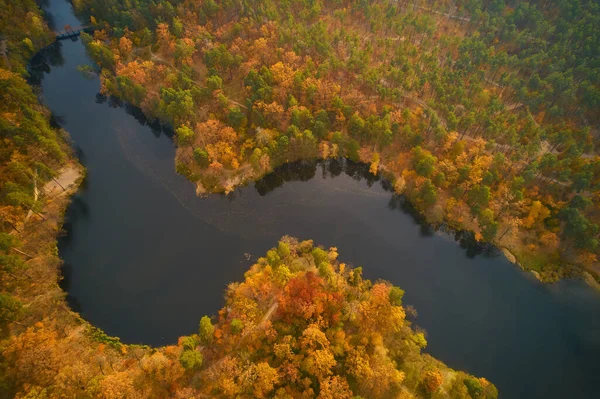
{"points": [[269, 313], [447, 15], [265, 318]]}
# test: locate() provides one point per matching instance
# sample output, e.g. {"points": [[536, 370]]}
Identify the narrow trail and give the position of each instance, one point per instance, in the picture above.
{"points": [[447, 15], [269, 313], [267, 316]]}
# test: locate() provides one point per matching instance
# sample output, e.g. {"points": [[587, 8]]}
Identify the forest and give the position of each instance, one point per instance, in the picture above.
{"points": [[483, 113], [31, 150]]}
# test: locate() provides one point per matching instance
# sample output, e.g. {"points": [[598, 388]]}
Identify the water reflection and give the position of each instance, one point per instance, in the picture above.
{"points": [[43, 62]]}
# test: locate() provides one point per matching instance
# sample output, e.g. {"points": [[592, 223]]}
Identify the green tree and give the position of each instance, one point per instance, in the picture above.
{"points": [[578, 229], [185, 135], [176, 105], [10, 308], [489, 227], [206, 331], [396, 295], [214, 82], [201, 157], [237, 326], [423, 161], [479, 197], [191, 359], [427, 193], [236, 118]]}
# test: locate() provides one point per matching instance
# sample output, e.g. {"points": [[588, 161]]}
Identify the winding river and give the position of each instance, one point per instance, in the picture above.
{"points": [[145, 258]]}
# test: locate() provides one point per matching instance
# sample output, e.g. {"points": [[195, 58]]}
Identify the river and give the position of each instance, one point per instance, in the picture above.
{"points": [[145, 258]]}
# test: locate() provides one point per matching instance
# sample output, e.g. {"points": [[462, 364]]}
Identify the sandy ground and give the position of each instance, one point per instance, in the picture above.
{"points": [[64, 182]]}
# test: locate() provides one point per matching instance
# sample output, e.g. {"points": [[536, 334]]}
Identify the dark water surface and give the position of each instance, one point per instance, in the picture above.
{"points": [[145, 258]]}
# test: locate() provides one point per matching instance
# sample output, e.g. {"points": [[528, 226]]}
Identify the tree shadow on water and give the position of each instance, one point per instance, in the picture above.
{"points": [[66, 272], [43, 61], [402, 204], [156, 127], [472, 247], [293, 171]]}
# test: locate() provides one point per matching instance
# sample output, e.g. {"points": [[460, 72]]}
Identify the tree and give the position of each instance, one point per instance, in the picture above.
{"points": [[176, 105], [236, 118], [184, 51], [335, 387], [356, 125], [214, 82], [489, 227], [579, 229], [537, 214], [125, 46], [433, 380], [206, 331], [479, 197], [236, 326], [374, 164], [396, 295], [427, 193], [423, 161], [10, 308], [261, 378], [191, 359], [185, 135], [201, 157]]}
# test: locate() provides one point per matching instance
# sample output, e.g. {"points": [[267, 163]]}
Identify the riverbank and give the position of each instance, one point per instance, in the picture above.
{"points": [[48, 349], [511, 240], [38, 284]]}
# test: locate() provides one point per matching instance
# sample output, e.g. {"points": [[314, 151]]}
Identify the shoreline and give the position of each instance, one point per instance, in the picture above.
{"points": [[39, 238], [570, 270]]}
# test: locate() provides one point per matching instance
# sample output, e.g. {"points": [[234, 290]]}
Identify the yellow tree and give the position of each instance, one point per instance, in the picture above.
{"points": [[432, 380], [335, 387], [125, 47]]}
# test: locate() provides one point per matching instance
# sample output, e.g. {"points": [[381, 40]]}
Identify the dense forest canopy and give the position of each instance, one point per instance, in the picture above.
{"points": [[31, 151], [484, 113]]}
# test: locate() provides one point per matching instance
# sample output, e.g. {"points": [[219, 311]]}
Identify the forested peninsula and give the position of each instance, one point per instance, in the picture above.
{"points": [[483, 113]]}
